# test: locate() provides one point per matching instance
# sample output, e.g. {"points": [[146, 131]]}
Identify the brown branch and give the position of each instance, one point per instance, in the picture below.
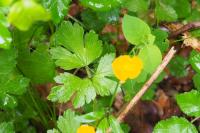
{"points": [[137, 97], [187, 27]]}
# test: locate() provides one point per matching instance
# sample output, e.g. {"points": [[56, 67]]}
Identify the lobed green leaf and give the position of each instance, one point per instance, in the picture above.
{"points": [[79, 50]]}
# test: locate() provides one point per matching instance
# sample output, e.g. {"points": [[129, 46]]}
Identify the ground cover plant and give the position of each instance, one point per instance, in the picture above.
{"points": [[100, 66]]}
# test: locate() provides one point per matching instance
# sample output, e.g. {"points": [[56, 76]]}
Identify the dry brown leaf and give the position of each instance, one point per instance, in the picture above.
{"points": [[191, 42]]}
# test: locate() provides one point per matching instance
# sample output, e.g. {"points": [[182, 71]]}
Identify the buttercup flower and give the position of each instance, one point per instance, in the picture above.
{"points": [[86, 129], [125, 67]]}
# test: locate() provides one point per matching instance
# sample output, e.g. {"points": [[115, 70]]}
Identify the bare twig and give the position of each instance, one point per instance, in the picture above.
{"points": [[195, 119], [187, 27], [137, 97]]}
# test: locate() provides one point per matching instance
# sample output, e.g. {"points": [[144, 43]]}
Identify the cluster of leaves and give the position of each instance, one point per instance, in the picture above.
{"points": [[70, 122], [38, 45], [189, 104], [188, 101]]}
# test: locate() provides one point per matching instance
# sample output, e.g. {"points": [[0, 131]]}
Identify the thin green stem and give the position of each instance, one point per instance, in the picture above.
{"points": [[76, 20], [51, 26], [114, 95], [43, 119], [41, 114], [107, 113], [88, 72], [52, 113]]}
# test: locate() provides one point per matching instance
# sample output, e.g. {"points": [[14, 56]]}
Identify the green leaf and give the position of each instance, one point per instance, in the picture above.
{"points": [[103, 126], [7, 127], [109, 16], [37, 65], [150, 93], [97, 20], [151, 57], [103, 5], [24, 13], [175, 125], [65, 59], [5, 37], [108, 49], [165, 12], [5, 2], [79, 50], [194, 60], [7, 101], [125, 127], [194, 15], [136, 5], [111, 123], [160, 77], [161, 39], [91, 117], [68, 123], [115, 126], [7, 61], [135, 30], [195, 33], [104, 86], [142, 77], [3, 19], [183, 8], [177, 66], [196, 81], [189, 103], [97, 105], [86, 93], [131, 88], [53, 131], [11, 84], [58, 9], [91, 20], [85, 90]]}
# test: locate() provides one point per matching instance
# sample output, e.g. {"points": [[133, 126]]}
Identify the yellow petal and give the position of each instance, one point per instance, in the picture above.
{"points": [[125, 67], [86, 129], [138, 66]]}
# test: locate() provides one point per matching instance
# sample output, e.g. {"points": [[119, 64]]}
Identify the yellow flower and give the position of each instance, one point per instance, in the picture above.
{"points": [[86, 129], [125, 67]]}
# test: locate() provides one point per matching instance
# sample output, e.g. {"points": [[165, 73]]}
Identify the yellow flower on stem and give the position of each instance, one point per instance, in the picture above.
{"points": [[86, 129], [125, 67]]}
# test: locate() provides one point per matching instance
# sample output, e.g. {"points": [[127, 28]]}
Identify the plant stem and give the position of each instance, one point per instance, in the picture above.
{"points": [[76, 71], [51, 27], [187, 27], [195, 119], [41, 114], [76, 20], [114, 95], [88, 71]]}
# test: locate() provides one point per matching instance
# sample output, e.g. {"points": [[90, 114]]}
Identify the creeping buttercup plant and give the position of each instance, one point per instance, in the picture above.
{"points": [[64, 64]]}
